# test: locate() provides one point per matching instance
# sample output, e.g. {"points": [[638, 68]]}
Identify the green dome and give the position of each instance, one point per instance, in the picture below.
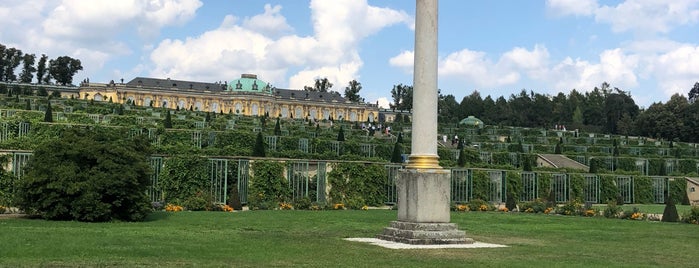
{"points": [[249, 83], [472, 121]]}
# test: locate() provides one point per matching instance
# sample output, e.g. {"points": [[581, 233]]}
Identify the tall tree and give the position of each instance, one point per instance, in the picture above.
{"points": [[448, 109], [63, 69], [41, 69], [352, 91], [402, 96], [694, 93], [3, 48], [28, 68], [616, 104], [259, 149], [168, 120], [48, 115], [13, 57], [320, 85]]}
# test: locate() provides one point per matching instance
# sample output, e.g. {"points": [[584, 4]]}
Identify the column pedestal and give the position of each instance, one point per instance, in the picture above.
{"points": [[423, 210]]}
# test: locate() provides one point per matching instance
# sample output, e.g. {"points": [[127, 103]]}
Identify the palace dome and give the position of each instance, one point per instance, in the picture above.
{"points": [[249, 83]]}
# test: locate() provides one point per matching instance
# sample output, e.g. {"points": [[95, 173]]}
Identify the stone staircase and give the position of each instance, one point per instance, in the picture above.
{"points": [[561, 161]]}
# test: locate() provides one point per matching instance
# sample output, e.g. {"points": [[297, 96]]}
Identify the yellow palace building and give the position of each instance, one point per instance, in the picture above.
{"points": [[247, 95]]}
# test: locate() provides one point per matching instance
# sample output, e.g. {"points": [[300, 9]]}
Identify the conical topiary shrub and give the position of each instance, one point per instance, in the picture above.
{"points": [[670, 211]]}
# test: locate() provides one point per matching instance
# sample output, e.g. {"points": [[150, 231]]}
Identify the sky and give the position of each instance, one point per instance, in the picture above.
{"points": [[649, 48]]}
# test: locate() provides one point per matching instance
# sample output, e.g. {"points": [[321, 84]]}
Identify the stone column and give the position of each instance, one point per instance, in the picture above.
{"points": [[424, 187]]}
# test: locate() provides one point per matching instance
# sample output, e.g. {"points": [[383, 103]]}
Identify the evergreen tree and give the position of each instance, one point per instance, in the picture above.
{"points": [[670, 211], [277, 128], [259, 149], [400, 137], [396, 156], [168, 120], [341, 135], [28, 107], [511, 202], [593, 165], [48, 115], [557, 150], [208, 117], [526, 163], [461, 162]]}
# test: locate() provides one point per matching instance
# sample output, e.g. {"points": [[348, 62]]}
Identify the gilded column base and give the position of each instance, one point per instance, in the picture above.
{"points": [[423, 162]]}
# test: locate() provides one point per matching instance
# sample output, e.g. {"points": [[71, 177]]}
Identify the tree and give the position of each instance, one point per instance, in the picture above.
{"points": [[259, 149], [87, 174], [341, 135], [12, 59], [28, 106], [320, 85], [41, 69], [352, 91], [168, 120], [694, 93], [402, 96], [670, 211], [277, 128], [28, 68], [48, 115], [400, 137], [396, 156], [63, 69]]}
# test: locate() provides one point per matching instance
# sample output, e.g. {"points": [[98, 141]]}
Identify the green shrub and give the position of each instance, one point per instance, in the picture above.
{"points": [[302, 203], [88, 174], [612, 210], [692, 216], [670, 211], [268, 185], [197, 202], [352, 180], [479, 205], [536, 206], [184, 176], [571, 208]]}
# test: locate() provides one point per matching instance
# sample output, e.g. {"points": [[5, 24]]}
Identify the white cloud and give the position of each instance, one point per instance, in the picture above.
{"points": [[89, 30], [404, 60], [383, 102], [262, 44], [271, 23], [572, 7], [678, 69], [640, 16], [614, 67]]}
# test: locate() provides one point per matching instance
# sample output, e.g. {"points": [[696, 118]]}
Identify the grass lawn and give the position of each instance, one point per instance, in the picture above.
{"points": [[315, 238], [649, 208]]}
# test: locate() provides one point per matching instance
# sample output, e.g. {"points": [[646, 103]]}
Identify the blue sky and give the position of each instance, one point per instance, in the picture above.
{"points": [[647, 47]]}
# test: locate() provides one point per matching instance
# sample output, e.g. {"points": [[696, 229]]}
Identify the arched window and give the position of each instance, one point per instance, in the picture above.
{"points": [[285, 112], [238, 108], [353, 116], [298, 113], [255, 109], [97, 97]]}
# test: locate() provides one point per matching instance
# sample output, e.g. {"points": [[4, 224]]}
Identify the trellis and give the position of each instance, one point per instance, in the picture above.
{"points": [[392, 174], [243, 179], [497, 187], [154, 191], [196, 139], [461, 185], [321, 182], [591, 190], [529, 186], [218, 176], [660, 187], [625, 186], [335, 147], [23, 129], [303, 145], [271, 142], [19, 161], [297, 175], [560, 185], [367, 149]]}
